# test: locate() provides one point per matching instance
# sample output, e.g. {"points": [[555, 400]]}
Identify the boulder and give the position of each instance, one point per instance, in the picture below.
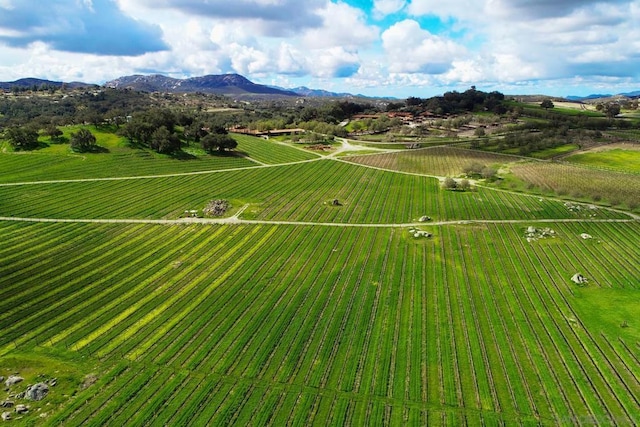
{"points": [[424, 218], [6, 404], [36, 392], [21, 409], [586, 236], [578, 279], [6, 416], [13, 379]]}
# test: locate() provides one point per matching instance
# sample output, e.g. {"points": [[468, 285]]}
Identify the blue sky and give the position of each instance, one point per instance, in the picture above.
{"points": [[374, 47]]}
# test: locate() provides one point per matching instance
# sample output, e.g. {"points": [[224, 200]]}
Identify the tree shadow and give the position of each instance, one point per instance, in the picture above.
{"points": [[96, 149], [41, 145], [136, 145], [59, 140], [227, 153], [182, 155], [99, 149]]}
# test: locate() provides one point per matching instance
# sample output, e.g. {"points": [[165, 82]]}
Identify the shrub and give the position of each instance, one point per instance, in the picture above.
{"points": [[450, 183]]}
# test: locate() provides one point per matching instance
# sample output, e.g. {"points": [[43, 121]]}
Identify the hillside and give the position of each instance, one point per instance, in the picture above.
{"points": [[297, 280], [30, 82], [225, 84]]}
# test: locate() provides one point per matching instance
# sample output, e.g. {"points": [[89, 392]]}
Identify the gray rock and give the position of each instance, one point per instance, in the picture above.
{"points": [[6, 416], [7, 404], [578, 279], [36, 391], [21, 409], [53, 382], [13, 379]]}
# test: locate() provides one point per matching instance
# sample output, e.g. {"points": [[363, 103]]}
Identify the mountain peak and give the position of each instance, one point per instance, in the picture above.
{"points": [[223, 84]]}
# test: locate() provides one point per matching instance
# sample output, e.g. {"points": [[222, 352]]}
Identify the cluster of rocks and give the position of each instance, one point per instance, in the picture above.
{"points": [[216, 208], [419, 233], [576, 208], [579, 279], [33, 392], [534, 233], [12, 380]]}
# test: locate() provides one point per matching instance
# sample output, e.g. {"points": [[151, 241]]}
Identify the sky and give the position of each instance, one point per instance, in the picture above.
{"points": [[396, 48]]}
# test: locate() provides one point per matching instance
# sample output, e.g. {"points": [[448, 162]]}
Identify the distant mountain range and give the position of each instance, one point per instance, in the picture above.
{"points": [[319, 93], [224, 84], [30, 82], [634, 94]]}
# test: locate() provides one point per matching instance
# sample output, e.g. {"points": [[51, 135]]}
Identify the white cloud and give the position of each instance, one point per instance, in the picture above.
{"points": [[466, 10], [342, 25], [382, 8], [94, 27], [334, 62], [276, 17], [411, 49], [290, 60]]}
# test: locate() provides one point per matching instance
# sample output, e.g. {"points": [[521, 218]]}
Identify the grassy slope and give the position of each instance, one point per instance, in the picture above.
{"points": [[288, 312], [58, 161], [313, 325], [617, 159]]}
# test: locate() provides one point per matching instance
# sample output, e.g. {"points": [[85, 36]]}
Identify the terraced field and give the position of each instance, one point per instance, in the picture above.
{"points": [[299, 192], [306, 313], [437, 161], [616, 188], [271, 152], [59, 162]]}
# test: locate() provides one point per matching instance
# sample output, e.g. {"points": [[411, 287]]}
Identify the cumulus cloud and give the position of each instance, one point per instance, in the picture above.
{"points": [[276, 17], [541, 39], [291, 61], [537, 9], [334, 62], [97, 27], [411, 49], [342, 25], [382, 8], [459, 9]]}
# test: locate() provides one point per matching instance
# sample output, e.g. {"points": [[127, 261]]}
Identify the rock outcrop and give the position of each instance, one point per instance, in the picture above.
{"points": [[37, 391]]}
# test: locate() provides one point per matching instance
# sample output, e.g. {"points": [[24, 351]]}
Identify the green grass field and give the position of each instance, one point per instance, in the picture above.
{"points": [[616, 159], [554, 152], [300, 312]]}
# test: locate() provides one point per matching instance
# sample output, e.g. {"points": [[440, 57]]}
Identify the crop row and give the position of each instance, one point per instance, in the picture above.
{"points": [[438, 161], [42, 167], [582, 182], [283, 324], [302, 192], [269, 152]]}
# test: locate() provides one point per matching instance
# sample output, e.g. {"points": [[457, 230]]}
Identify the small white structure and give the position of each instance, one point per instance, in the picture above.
{"points": [[579, 279]]}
